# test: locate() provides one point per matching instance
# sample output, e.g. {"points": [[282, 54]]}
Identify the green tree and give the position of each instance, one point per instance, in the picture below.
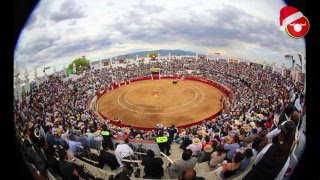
{"points": [[79, 61], [153, 55]]}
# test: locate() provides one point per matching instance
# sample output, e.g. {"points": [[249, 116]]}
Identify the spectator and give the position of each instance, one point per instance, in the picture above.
{"points": [[187, 161], [152, 166], [207, 141], [260, 141], [68, 169], [108, 158], [205, 155], [288, 111], [75, 147], [273, 160], [126, 141], [123, 151], [248, 158], [189, 174], [229, 169], [248, 140], [217, 157], [195, 147], [232, 144], [215, 145]]}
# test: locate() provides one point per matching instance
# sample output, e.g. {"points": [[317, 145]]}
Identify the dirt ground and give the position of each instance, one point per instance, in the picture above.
{"points": [[137, 104]]}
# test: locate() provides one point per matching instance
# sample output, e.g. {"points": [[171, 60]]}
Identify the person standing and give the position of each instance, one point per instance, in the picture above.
{"points": [[123, 151], [172, 131], [107, 137], [273, 160], [162, 141]]}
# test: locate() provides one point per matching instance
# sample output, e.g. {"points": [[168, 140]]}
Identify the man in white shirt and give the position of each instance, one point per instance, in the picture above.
{"points": [[122, 151], [64, 135], [298, 103]]}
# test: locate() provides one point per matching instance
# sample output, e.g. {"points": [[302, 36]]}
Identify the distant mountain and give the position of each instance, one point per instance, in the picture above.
{"points": [[162, 52]]}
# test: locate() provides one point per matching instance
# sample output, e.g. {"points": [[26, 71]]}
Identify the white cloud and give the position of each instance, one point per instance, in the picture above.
{"points": [[62, 30]]}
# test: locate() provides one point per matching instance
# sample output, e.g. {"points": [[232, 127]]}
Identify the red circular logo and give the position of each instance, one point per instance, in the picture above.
{"points": [[298, 28]]}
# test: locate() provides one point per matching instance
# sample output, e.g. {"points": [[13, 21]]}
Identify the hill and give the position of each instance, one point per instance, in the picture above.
{"points": [[162, 52]]}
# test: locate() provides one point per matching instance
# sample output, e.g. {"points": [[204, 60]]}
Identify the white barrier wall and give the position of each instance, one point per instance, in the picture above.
{"points": [[93, 105]]}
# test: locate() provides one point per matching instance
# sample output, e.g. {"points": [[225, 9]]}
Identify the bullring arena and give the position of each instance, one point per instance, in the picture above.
{"points": [[202, 102], [136, 104]]}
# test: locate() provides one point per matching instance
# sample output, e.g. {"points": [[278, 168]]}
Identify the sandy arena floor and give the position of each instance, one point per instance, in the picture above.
{"points": [[136, 104]]}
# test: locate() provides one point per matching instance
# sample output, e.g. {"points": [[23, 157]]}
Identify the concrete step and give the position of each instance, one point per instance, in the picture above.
{"points": [[176, 152]]}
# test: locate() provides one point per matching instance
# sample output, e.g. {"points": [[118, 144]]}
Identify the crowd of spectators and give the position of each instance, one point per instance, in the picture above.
{"points": [[259, 102]]}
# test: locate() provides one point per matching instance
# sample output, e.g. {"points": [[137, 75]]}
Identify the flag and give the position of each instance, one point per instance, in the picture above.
{"points": [[300, 58], [299, 66], [45, 68], [287, 56]]}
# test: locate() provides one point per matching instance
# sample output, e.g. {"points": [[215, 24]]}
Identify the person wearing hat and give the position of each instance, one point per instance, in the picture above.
{"points": [[273, 160], [195, 147], [205, 155], [52, 138], [180, 138], [97, 137], [162, 141], [231, 145]]}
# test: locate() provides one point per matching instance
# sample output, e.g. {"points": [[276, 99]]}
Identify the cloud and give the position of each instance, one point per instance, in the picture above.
{"points": [[62, 29], [110, 3], [235, 25], [67, 10]]}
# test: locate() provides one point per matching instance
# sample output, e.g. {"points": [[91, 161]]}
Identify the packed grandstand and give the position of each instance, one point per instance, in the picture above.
{"points": [[262, 110]]}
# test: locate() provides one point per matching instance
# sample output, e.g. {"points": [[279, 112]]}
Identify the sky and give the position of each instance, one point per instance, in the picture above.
{"points": [[59, 31]]}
